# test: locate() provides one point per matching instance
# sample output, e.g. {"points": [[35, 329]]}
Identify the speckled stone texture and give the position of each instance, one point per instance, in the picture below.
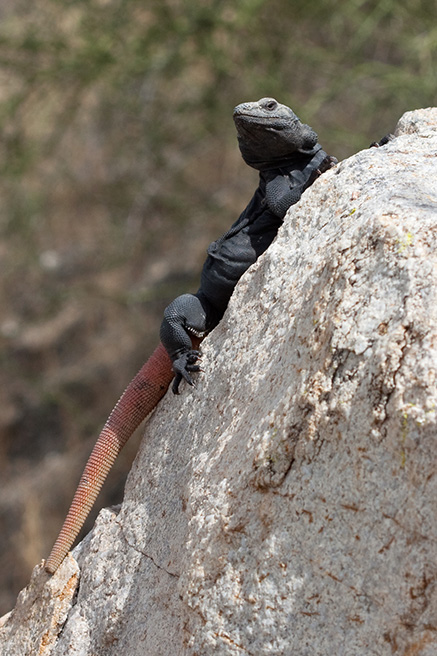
{"points": [[287, 505]]}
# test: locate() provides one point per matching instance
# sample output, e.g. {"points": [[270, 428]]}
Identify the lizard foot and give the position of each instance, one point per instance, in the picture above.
{"points": [[327, 164], [183, 366], [383, 141]]}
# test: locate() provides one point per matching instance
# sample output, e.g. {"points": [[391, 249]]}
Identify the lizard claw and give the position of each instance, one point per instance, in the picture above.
{"points": [[183, 366]]}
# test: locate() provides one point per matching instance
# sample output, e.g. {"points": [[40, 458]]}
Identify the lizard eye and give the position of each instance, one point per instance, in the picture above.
{"points": [[271, 105]]}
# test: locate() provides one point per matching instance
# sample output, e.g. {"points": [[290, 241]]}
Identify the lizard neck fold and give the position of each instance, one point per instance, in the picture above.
{"points": [[287, 162]]}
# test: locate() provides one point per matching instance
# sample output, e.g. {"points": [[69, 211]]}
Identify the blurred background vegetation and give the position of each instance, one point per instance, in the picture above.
{"points": [[119, 164]]}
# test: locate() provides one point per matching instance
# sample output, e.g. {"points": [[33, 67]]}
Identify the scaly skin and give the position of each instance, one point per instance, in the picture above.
{"points": [[286, 152], [274, 141], [138, 400]]}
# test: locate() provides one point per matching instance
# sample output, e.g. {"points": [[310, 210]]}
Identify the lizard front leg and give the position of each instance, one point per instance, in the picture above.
{"points": [[185, 321], [285, 189]]}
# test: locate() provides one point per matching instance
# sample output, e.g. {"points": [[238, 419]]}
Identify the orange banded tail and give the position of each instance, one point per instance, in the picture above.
{"points": [[137, 401]]}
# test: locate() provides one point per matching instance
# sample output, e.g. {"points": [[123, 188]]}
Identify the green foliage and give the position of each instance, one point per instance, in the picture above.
{"points": [[327, 57], [136, 93]]}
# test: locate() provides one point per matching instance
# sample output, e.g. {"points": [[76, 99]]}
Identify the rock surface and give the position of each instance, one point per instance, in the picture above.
{"points": [[287, 504]]}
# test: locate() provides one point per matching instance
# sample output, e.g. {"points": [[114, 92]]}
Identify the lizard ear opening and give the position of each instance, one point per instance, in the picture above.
{"points": [[297, 136]]}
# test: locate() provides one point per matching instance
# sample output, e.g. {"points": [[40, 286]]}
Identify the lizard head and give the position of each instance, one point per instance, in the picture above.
{"points": [[270, 134]]}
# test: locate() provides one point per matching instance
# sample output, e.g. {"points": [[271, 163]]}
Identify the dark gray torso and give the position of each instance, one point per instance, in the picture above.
{"points": [[231, 255]]}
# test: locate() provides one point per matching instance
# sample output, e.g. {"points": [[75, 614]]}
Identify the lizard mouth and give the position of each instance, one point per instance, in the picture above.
{"points": [[253, 116], [248, 121]]}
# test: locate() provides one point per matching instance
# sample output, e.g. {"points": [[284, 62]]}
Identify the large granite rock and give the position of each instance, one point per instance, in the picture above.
{"points": [[287, 505]]}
